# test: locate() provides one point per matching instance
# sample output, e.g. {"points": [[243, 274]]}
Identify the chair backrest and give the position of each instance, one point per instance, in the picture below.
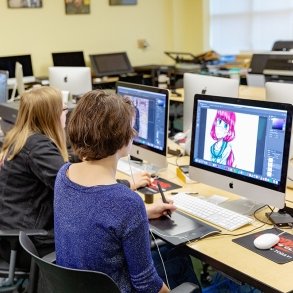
{"points": [[60, 279]]}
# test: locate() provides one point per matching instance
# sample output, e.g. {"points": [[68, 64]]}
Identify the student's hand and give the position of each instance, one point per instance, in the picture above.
{"points": [[140, 179], [159, 209]]}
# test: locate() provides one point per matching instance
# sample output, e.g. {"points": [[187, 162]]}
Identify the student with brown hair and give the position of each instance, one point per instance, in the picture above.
{"points": [[101, 224], [33, 152]]}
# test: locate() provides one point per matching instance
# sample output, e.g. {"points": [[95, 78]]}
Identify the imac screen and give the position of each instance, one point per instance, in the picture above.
{"points": [[151, 120], [68, 59], [110, 64], [8, 63], [242, 146], [3, 86]]}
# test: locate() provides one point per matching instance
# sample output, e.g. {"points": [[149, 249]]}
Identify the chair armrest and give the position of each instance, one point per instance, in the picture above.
{"points": [[51, 257], [29, 232], [186, 288]]}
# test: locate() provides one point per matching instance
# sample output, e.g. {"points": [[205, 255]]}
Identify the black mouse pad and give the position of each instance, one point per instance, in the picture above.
{"points": [[180, 228], [281, 253], [153, 187]]}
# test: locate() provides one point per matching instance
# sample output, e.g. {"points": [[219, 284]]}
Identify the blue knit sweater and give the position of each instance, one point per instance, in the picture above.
{"points": [[104, 228]]}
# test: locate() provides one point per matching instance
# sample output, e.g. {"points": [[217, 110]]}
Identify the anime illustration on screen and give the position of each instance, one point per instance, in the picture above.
{"points": [[223, 132], [141, 116]]}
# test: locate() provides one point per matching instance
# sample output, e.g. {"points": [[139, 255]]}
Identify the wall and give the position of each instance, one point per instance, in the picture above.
{"points": [[165, 24]]}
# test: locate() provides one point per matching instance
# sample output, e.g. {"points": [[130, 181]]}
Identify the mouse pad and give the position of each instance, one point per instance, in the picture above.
{"points": [[153, 187], [281, 253], [180, 228]]}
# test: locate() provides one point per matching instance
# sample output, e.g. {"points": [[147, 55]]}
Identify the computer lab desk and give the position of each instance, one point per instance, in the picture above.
{"points": [[235, 261], [246, 92]]}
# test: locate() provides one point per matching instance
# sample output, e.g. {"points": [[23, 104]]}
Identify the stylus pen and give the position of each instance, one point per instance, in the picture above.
{"points": [[163, 197]]}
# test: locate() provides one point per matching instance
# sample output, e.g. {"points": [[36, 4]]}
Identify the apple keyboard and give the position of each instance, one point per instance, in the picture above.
{"points": [[210, 212], [124, 167]]}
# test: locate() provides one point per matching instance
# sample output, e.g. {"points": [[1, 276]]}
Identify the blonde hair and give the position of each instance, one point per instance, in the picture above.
{"points": [[40, 110]]}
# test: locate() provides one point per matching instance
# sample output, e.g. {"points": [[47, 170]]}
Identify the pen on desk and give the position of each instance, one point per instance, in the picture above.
{"points": [[191, 193], [163, 197]]}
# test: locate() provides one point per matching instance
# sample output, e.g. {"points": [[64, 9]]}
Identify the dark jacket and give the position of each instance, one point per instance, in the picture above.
{"points": [[26, 187]]}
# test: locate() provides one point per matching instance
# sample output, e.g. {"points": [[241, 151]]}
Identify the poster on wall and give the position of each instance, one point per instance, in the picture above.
{"points": [[24, 3], [77, 6]]}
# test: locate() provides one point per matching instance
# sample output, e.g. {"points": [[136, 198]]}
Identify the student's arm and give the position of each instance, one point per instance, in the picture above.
{"points": [[137, 252], [140, 179]]}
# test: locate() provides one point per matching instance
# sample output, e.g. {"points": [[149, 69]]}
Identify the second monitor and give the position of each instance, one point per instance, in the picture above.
{"points": [[151, 122], [68, 59]]}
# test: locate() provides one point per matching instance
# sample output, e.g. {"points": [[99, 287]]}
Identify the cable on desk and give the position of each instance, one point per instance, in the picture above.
{"points": [[254, 214], [289, 200]]}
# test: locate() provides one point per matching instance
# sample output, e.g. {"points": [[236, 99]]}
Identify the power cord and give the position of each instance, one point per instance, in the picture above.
{"points": [[165, 272]]}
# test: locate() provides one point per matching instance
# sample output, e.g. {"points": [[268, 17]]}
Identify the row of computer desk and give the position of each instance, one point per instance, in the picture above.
{"points": [[219, 251], [235, 261]]}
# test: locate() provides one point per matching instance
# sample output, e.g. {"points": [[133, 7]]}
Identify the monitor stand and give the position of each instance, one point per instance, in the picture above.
{"points": [[242, 206], [286, 210], [141, 165]]}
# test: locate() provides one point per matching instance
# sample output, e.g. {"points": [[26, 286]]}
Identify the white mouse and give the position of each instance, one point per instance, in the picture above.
{"points": [[179, 136], [266, 241]]}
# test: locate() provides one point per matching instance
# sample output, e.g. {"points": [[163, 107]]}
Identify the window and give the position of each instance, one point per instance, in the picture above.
{"points": [[249, 25]]}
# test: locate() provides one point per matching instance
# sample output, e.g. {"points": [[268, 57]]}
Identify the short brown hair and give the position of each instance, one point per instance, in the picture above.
{"points": [[100, 125]]}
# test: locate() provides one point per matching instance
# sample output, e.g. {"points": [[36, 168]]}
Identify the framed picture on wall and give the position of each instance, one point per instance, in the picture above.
{"points": [[24, 3], [122, 2], [77, 6]]}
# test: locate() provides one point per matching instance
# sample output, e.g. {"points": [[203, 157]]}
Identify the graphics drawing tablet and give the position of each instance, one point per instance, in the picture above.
{"points": [[180, 228]]}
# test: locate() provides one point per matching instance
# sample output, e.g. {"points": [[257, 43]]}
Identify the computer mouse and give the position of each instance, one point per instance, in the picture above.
{"points": [[266, 241], [179, 136]]}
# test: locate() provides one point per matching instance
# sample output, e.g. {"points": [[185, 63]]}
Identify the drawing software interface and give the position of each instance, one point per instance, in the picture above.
{"points": [[254, 141], [149, 121]]}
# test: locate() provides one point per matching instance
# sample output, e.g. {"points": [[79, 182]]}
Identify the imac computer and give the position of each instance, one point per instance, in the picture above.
{"points": [[280, 92], [203, 84], [110, 64], [4, 74], [255, 76], [242, 146], [75, 59], [19, 83], [76, 80], [8, 63], [151, 123]]}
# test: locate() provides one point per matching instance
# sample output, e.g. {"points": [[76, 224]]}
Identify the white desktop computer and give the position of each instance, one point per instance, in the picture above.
{"points": [[151, 124], [242, 146]]}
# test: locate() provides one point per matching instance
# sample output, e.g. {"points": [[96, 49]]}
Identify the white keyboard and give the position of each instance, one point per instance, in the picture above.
{"points": [[26, 79], [210, 212], [124, 167]]}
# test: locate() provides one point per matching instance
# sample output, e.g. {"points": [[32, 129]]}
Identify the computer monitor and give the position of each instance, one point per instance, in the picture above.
{"points": [[242, 146], [280, 92], [110, 64], [76, 80], [283, 46], [151, 122], [3, 86], [8, 63], [75, 59], [210, 85], [18, 87]]}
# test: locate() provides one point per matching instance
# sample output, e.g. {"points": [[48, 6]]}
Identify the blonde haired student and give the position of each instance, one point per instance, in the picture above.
{"points": [[33, 151]]}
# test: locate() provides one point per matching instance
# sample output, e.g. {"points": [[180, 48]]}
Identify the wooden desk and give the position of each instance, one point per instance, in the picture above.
{"points": [[228, 257]]}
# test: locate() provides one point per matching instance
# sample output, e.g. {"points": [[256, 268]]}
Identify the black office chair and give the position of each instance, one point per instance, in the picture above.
{"points": [[12, 277], [59, 279]]}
